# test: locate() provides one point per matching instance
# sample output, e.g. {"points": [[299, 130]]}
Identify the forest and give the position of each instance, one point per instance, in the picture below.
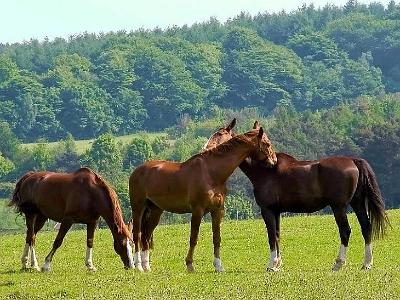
{"points": [[323, 81]]}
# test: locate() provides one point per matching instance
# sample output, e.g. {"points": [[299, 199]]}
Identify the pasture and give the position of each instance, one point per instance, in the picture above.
{"points": [[83, 145], [309, 246]]}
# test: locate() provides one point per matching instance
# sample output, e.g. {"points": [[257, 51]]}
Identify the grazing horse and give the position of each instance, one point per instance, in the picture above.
{"points": [[79, 197], [195, 186], [307, 186]]}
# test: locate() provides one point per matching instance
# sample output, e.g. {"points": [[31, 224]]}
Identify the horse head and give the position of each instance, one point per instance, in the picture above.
{"points": [[220, 136], [265, 151], [122, 245]]}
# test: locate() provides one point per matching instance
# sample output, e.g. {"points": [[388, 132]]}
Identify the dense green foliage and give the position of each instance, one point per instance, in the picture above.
{"points": [[121, 82], [322, 81], [309, 246]]}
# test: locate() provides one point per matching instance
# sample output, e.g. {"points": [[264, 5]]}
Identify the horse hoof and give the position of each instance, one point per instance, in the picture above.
{"points": [[190, 268], [338, 265], [272, 269], [366, 267], [146, 269], [139, 268], [45, 270], [36, 268], [92, 269]]}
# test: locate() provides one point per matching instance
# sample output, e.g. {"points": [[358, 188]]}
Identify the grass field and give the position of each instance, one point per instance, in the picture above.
{"points": [[309, 247], [83, 145]]}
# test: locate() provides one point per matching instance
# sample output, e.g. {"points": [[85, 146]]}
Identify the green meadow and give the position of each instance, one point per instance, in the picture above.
{"points": [[83, 145], [309, 246]]}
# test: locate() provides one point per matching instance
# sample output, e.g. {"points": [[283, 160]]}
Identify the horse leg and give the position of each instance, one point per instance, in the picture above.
{"points": [[344, 231], [29, 220], [216, 217], [270, 222], [197, 214], [147, 236], [366, 229], [278, 235], [64, 227], [89, 246], [137, 213], [39, 223]]}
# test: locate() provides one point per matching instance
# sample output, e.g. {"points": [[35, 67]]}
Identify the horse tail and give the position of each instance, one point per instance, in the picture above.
{"points": [[16, 200], [369, 189], [115, 206], [144, 228]]}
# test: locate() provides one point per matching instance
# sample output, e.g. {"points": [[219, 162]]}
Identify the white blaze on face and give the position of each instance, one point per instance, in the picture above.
{"points": [[129, 252]]}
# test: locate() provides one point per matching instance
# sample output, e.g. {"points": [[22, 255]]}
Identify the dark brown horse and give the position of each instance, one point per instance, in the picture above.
{"points": [[195, 186], [308, 186], [80, 197]]}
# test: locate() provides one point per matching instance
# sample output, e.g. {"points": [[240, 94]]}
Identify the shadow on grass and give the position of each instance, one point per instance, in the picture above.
{"points": [[7, 283], [8, 272]]}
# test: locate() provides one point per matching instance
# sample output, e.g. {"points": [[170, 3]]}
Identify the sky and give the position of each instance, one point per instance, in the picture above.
{"points": [[26, 19]]}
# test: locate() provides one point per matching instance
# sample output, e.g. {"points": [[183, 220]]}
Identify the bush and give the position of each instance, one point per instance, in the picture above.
{"points": [[238, 207], [6, 189]]}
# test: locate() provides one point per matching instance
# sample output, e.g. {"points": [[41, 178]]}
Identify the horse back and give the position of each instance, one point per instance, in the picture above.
{"points": [[56, 195], [307, 186]]}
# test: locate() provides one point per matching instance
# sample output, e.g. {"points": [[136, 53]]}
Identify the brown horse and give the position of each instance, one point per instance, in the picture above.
{"points": [[195, 186], [308, 186], [80, 197]]}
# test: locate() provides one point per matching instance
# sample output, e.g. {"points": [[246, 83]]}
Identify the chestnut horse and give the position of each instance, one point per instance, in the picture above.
{"points": [[195, 186], [308, 186], [79, 197]]}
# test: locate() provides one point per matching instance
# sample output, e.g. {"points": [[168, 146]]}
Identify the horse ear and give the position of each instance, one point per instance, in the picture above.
{"points": [[260, 132], [256, 125], [231, 125]]}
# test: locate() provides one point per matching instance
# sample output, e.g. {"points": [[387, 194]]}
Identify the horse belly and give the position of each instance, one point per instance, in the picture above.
{"points": [[54, 210], [172, 203]]}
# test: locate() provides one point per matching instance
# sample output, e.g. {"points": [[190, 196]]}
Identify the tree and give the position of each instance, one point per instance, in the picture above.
{"points": [[9, 145], [81, 105], [105, 156], [137, 152], [166, 85], [66, 156], [117, 76], [6, 166], [259, 73]]}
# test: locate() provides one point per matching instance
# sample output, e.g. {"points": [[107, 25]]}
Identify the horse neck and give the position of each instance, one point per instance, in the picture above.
{"points": [[111, 224], [247, 167], [221, 166]]}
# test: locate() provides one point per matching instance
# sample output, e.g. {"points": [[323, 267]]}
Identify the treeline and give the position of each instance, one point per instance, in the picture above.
{"points": [[122, 82], [323, 81], [368, 128]]}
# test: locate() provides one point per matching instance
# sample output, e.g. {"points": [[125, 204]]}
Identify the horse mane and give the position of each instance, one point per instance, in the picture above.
{"points": [[115, 204], [286, 156], [227, 146]]}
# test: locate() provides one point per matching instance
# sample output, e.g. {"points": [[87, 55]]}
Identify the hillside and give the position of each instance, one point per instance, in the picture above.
{"points": [[309, 246], [84, 145]]}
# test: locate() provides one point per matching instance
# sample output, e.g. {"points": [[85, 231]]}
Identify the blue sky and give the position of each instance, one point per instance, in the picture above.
{"points": [[25, 19]]}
